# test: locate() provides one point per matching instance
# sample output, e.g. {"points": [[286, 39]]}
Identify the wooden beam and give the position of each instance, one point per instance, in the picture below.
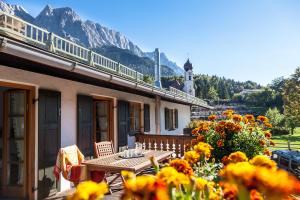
{"points": [[157, 115]]}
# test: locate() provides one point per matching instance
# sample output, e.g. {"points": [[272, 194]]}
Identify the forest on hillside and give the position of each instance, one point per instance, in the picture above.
{"points": [[214, 87]]}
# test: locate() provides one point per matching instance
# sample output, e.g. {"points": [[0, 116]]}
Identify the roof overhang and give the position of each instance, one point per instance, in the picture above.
{"points": [[16, 54]]}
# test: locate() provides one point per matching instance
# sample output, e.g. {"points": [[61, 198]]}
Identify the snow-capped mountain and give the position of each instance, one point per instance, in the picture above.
{"points": [[67, 23], [16, 10]]}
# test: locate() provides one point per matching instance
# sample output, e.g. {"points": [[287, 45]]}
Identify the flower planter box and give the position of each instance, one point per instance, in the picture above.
{"points": [[187, 131]]}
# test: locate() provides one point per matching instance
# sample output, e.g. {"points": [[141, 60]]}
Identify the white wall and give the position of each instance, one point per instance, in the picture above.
{"points": [[184, 117], [70, 89]]}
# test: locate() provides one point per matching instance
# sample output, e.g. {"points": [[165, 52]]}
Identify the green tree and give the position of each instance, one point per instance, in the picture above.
{"points": [[212, 94], [148, 79], [291, 100], [276, 118]]}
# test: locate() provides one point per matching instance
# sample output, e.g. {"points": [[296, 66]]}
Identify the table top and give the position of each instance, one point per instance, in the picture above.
{"points": [[114, 163]]}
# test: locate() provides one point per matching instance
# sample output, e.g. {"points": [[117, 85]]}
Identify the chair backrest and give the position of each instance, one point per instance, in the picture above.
{"points": [[73, 154], [103, 148]]}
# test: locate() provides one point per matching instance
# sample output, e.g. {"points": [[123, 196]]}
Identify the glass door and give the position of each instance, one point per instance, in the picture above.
{"points": [[14, 143], [102, 125]]}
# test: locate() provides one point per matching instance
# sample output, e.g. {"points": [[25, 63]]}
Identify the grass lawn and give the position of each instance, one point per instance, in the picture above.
{"points": [[282, 140]]}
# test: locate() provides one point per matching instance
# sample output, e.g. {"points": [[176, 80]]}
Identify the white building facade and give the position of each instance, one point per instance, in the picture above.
{"points": [[55, 97]]}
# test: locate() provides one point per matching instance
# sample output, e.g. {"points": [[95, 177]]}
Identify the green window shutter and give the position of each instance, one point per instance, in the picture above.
{"points": [[85, 124], [176, 118], [167, 119], [146, 117]]}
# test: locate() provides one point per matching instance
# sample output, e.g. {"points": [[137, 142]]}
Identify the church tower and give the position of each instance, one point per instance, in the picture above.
{"points": [[188, 78]]}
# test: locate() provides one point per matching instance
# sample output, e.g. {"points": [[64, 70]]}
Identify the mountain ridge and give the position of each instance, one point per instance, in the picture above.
{"points": [[65, 22]]}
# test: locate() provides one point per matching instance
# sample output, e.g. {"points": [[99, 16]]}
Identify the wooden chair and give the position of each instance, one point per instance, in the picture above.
{"points": [[103, 148]]}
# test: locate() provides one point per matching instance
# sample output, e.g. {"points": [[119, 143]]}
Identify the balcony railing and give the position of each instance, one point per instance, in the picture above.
{"points": [[15, 27], [175, 143]]}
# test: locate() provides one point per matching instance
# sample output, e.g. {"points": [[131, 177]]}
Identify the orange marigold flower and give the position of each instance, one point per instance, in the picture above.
{"points": [[182, 166], [194, 142], [220, 143], [245, 120], [268, 134], [200, 138], [212, 117], [268, 125], [237, 157], [145, 187], [250, 118], [272, 143], [267, 152], [237, 117], [225, 160], [255, 195], [262, 142], [195, 131], [263, 161], [228, 113], [262, 119], [230, 191]]}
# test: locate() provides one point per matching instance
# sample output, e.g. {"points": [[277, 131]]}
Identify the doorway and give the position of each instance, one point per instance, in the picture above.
{"points": [[103, 120], [14, 128]]}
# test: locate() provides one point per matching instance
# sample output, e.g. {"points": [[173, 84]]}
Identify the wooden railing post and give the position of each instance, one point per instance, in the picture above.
{"points": [[91, 58], [50, 42]]}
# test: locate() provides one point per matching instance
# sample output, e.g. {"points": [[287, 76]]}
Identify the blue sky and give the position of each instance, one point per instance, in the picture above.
{"points": [[255, 40]]}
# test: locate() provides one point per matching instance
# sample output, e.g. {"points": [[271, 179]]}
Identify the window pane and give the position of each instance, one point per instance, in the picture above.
{"points": [[16, 127], [16, 150], [15, 173], [17, 103]]}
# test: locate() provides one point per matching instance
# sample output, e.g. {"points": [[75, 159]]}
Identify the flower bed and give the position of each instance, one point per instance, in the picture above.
{"points": [[228, 160]]}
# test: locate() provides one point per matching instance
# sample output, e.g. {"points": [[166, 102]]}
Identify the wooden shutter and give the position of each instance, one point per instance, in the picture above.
{"points": [[171, 119], [176, 118], [123, 123], [49, 122], [85, 124], [146, 117], [167, 118]]}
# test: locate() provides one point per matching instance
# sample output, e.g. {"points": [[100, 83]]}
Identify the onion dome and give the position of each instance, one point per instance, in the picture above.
{"points": [[188, 65]]}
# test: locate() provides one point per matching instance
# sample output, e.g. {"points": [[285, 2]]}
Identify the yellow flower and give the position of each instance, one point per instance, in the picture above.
{"points": [[237, 157], [228, 113], [203, 149], [271, 183], [192, 157], [200, 183], [171, 177], [127, 175], [263, 161], [89, 190]]}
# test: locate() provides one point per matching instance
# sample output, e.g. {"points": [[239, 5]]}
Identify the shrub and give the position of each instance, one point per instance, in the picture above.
{"points": [[280, 131], [236, 133]]}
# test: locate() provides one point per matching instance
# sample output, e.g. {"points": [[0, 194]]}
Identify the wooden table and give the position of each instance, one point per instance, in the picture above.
{"points": [[113, 163]]}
